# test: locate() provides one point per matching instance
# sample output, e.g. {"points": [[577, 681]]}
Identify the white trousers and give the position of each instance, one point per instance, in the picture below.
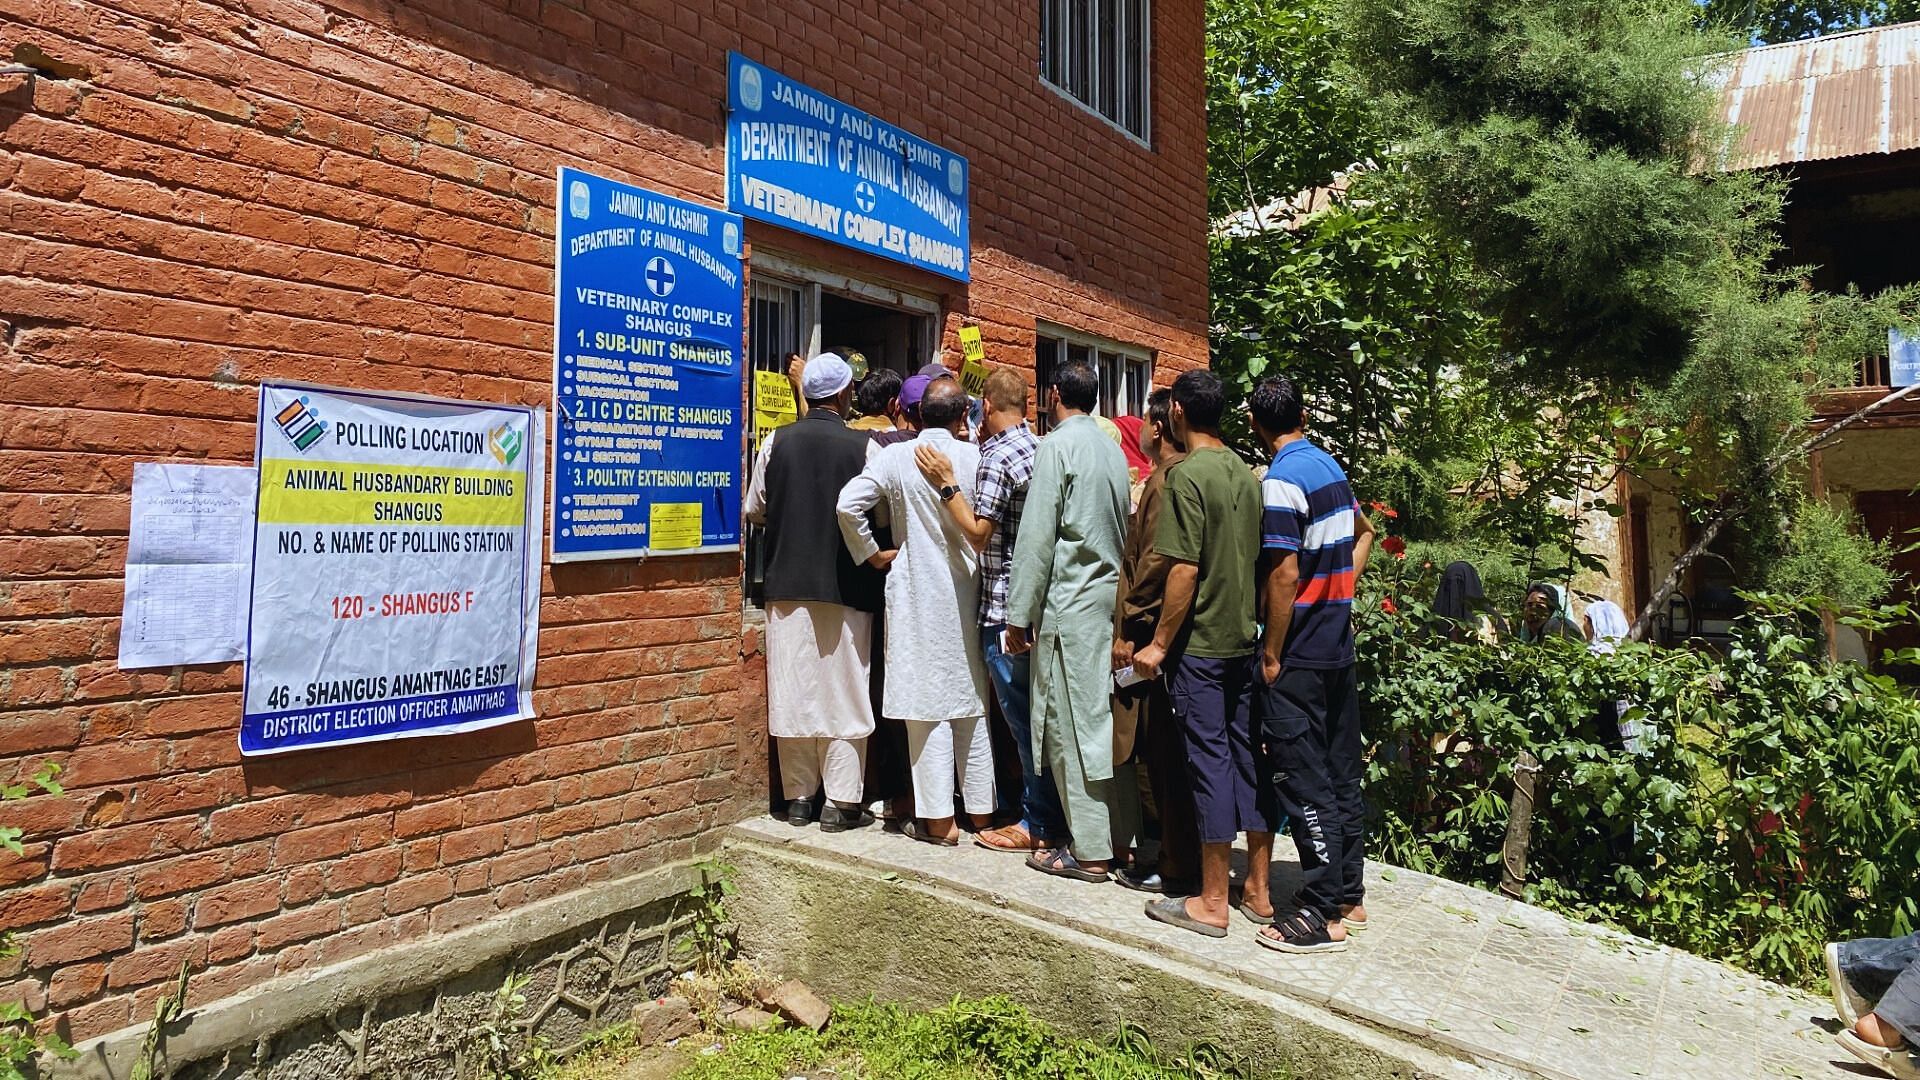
{"points": [[842, 763], [946, 753]]}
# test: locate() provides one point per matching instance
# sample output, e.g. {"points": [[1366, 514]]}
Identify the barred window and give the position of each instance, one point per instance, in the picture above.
{"points": [[1099, 53]]}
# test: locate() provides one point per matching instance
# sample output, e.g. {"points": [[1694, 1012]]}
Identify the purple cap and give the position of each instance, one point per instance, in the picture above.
{"points": [[912, 391], [935, 371]]}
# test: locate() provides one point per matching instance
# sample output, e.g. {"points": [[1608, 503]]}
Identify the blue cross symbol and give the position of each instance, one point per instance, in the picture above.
{"points": [[659, 275], [865, 197]]}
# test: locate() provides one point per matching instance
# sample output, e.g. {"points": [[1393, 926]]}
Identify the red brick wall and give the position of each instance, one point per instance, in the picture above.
{"points": [[360, 193]]}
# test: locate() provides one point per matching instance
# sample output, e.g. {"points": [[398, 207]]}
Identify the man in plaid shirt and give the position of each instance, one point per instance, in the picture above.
{"points": [[1007, 449]]}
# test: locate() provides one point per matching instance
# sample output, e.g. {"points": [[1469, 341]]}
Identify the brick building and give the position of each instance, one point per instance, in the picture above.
{"points": [[201, 195]]}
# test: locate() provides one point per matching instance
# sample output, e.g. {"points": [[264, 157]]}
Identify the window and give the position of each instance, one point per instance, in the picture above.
{"points": [[1098, 53], [1126, 372]]}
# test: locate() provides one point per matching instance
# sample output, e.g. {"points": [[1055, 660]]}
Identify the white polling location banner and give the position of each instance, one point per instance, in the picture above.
{"points": [[396, 567]]}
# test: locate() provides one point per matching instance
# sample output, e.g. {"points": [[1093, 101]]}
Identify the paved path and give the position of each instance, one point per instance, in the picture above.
{"points": [[1491, 979]]}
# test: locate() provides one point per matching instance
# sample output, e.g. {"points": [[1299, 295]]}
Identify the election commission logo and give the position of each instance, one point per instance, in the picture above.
{"points": [[300, 424], [505, 444]]}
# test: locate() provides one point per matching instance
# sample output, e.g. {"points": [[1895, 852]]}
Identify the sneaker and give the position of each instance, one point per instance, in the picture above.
{"points": [[837, 819], [802, 811], [1847, 1002], [1302, 933]]}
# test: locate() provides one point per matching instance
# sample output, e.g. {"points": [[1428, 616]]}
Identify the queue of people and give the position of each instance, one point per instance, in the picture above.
{"points": [[1167, 634]]}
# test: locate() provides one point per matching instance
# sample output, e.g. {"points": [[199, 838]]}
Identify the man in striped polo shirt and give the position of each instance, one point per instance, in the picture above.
{"points": [[1315, 542]]}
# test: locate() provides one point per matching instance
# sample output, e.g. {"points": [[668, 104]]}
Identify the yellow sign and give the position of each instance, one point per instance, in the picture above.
{"points": [[973, 373], [773, 402], [673, 526]]}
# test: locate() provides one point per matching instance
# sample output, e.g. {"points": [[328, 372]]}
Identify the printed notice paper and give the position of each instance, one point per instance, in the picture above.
{"points": [[187, 552], [396, 568]]}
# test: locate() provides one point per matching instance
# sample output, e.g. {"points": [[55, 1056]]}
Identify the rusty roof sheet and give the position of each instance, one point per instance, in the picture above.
{"points": [[1830, 97]]}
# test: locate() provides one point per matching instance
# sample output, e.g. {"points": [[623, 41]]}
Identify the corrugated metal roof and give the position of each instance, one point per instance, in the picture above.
{"points": [[1823, 98]]}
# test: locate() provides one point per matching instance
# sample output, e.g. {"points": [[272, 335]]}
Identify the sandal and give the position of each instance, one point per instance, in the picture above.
{"points": [[1255, 917], [1173, 912], [1014, 838], [1060, 862], [913, 830], [1303, 933]]}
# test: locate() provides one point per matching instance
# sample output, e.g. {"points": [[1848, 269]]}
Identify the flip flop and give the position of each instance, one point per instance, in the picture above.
{"points": [[1173, 912], [1060, 862], [1847, 1003], [1899, 1064], [1255, 917], [913, 830]]}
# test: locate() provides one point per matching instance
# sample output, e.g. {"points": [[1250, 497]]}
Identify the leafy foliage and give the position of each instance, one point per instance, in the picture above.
{"points": [[709, 939], [1785, 20], [20, 1042], [1768, 811], [1827, 555], [964, 1040]]}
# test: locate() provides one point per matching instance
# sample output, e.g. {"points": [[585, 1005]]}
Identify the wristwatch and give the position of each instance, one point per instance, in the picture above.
{"points": [[948, 492]]}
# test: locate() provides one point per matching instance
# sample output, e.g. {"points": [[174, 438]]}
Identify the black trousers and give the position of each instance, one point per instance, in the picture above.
{"points": [[1310, 723]]}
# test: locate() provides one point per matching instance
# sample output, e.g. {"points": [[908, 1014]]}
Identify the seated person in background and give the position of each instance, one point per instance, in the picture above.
{"points": [[1462, 602], [1876, 991], [1544, 614]]}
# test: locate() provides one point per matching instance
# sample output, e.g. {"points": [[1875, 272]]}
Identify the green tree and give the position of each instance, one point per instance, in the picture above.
{"points": [[1566, 146], [1787, 20]]}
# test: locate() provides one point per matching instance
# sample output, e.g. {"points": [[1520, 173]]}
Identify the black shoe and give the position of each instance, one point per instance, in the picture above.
{"points": [[802, 811], [837, 819], [1132, 878]]}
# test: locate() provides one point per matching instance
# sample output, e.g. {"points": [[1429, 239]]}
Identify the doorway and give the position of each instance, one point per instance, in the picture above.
{"points": [[870, 326], [1894, 517]]}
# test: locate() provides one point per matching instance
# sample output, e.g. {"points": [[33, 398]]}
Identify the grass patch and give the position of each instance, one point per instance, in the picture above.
{"points": [[991, 1039]]}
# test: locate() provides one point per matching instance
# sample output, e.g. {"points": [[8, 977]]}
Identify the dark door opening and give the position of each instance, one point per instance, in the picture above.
{"points": [[884, 337], [1894, 516]]}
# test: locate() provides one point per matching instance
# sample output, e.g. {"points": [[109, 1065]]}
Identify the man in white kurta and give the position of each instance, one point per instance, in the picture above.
{"points": [[936, 683]]}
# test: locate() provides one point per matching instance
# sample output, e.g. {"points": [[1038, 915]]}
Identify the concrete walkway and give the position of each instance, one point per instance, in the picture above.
{"points": [[1490, 980]]}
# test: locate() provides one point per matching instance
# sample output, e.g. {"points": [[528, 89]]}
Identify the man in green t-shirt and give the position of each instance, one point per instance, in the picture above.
{"points": [[1210, 532]]}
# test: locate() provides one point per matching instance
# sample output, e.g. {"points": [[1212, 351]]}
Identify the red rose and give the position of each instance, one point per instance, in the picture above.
{"points": [[1394, 546], [1387, 605]]}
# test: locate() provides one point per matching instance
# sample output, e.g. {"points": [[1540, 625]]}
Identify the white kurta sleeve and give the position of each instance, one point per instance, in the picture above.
{"points": [[861, 494], [756, 508]]}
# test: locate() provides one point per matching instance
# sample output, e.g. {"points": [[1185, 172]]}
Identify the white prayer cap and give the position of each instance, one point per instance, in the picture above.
{"points": [[825, 376]]}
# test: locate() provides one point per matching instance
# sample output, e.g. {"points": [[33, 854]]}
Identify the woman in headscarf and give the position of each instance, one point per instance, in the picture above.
{"points": [[1462, 602], [1139, 465], [1544, 614]]}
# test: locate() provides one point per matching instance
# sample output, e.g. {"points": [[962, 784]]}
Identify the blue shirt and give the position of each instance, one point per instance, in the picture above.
{"points": [[1309, 509]]}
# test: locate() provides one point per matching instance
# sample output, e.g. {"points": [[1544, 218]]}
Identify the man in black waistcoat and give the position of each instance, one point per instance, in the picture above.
{"points": [[820, 603]]}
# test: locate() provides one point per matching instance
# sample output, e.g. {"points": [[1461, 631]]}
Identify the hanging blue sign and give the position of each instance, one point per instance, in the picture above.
{"points": [[805, 161], [647, 388], [1903, 359]]}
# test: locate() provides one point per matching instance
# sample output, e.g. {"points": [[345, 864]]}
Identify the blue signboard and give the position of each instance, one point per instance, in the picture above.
{"points": [[1903, 358], [647, 384], [802, 160]]}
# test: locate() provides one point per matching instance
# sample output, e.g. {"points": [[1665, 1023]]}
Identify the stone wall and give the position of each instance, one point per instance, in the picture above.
{"points": [[425, 1011]]}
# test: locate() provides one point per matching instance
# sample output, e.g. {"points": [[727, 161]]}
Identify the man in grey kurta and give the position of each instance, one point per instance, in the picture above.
{"points": [[1066, 579]]}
